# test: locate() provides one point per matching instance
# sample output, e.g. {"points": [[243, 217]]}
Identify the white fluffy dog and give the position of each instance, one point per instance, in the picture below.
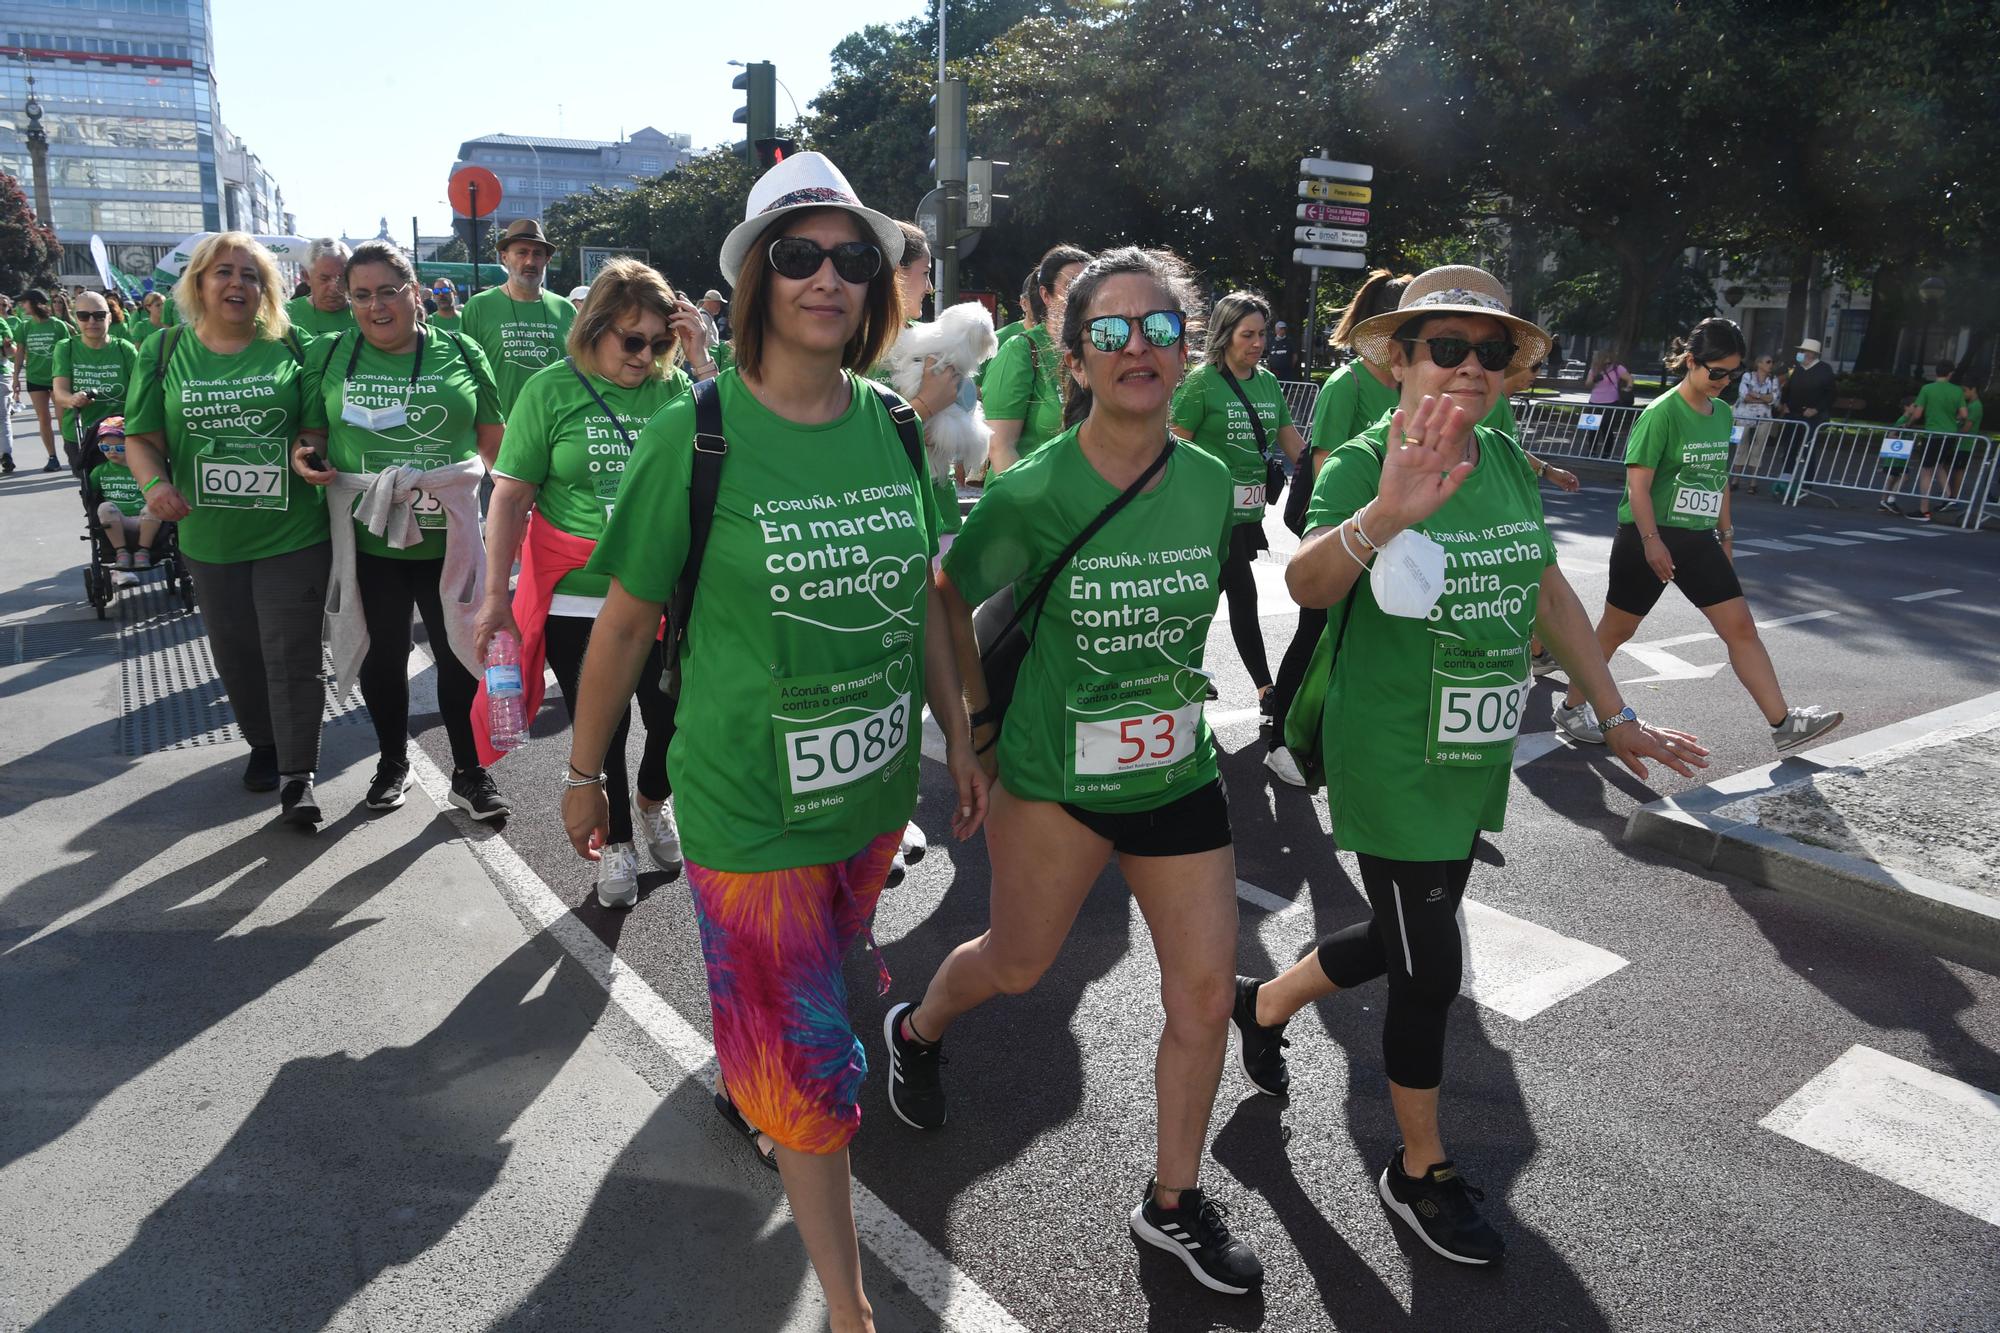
{"points": [[962, 338]]}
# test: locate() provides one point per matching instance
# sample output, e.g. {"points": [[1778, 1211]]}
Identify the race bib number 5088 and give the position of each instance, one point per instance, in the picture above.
{"points": [[847, 751]]}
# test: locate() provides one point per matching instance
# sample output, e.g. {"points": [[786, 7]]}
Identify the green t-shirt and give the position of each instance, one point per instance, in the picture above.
{"points": [[1941, 400], [40, 338], [805, 654], [452, 397], [560, 440], [444, 321], [1689, 453], [1975, 416], [1023, 384], [1349, 402], [1501, 418], [229, 423], [115, 482], [313, 323], [132, 329], [519, 337], [105, 373], [1420, 721], [1209, 410], [1006, 333], [1107, 711]]}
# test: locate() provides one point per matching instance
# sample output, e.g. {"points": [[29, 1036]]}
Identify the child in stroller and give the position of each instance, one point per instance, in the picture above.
{"points": [[124, 538]]}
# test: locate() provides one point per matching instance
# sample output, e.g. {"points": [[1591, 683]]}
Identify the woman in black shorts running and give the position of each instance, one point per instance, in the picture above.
{"points": [[1673, 527]]}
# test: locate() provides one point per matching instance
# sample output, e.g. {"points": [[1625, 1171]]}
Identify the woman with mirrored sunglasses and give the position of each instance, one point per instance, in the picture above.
{"points": [[1104, 749], [1423, 703], [569, 440], [1673, 527]]}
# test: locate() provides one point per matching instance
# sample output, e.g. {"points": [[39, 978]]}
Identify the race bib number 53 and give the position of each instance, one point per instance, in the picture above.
{"points": [[1135, 743]]}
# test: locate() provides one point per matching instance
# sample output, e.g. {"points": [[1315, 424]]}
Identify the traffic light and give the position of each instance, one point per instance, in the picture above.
{"points": [[770, 152], [948, 131], [759, 113], [985, 181]]}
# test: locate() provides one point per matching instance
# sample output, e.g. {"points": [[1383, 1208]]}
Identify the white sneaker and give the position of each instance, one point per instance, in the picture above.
{"points": [[1542, 663], [915, 844], [1578, 723], [618, 876], [1805, 724], [1286, 768], [663, 836]]}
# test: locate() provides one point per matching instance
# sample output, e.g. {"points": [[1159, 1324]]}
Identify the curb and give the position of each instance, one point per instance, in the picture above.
{"points": [[1688, 826]]}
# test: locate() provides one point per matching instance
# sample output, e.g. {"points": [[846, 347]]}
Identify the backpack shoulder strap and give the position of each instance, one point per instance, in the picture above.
{"points": [[167, 345], [298, 348], [704, 485], [905, 418]]}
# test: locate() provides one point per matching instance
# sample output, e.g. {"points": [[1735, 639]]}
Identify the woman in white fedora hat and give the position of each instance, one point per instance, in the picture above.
{"points": [[1426, 694], [806, 663]]}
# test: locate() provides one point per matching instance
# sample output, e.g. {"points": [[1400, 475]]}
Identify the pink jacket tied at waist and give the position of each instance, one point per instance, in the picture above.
{"points": [[547, 554]]}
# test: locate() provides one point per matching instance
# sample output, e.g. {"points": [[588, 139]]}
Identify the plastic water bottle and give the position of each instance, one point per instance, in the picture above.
{"points": [[506, 710]]}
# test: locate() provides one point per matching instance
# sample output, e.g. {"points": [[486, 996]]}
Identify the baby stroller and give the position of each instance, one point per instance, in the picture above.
{"points": [[101, 577]]}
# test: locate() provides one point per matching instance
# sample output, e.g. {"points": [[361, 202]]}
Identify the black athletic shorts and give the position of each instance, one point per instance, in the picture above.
{"points": [[1937, 451], [1245, 540], [1701, 570], [40, 388], [1196, 822]]}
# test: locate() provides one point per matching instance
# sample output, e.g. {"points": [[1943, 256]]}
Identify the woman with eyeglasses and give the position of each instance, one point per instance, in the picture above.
{"points": [[1021, 387], [1755, 402], [93, 371], [569, 442], [1673, 527], [1105, 751], [384, 396], [814, 639]]}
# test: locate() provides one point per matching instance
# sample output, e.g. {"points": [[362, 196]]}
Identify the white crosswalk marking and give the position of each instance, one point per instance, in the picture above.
{"points": [[1872, 536], [1926, 596], [1925, 1131], [1771, 544], [1822, 538]]}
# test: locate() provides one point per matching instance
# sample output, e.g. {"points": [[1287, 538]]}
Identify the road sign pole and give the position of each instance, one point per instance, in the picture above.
{"points": [[951, 221], [1312, 314], [473, 186]]}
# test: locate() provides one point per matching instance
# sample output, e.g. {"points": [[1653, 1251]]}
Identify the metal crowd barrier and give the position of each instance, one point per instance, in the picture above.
{"points": [[1766, 450], [1550, 429], [1876, 460], [1300, 397]]}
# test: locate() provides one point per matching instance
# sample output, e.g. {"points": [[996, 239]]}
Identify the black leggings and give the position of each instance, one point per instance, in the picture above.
{"points": [[1413, 938], [1292, 671], [389, 589], [567, 638], [1239, 585]]}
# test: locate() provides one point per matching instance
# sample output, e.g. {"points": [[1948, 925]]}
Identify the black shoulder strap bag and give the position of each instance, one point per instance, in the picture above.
{"points": [[1274, 469], [1000, 624]]}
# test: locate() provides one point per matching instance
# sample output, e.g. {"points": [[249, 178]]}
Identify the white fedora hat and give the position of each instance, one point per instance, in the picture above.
{"points": [[1810, 345], [802, 181], [1455, 289]]}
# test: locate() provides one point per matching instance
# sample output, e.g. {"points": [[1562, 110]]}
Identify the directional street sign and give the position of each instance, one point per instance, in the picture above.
{"points": [[1340, 171], [1353, 240], [1330, 258], [1346, 194], [1337, 215]]}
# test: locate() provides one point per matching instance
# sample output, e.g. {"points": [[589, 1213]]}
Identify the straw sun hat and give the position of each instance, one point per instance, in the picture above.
{"points": [[1455, 289]]}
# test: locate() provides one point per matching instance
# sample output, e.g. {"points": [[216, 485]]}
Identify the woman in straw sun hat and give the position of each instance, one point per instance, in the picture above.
{"points": [[1428, 683]]}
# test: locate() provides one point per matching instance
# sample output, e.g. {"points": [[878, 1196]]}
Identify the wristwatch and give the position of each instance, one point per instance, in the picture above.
{"points": [[1618, 719]]}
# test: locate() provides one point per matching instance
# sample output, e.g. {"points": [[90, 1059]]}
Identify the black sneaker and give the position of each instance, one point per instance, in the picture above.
{"points": [[916, 1093], [1889, 506], [261, 772], [473, 792], [298, 806], [391, 781], [1197, 1233], [899, 870], [1439, 1208], [1921, 516], [6, 462], [1262, 1048]]}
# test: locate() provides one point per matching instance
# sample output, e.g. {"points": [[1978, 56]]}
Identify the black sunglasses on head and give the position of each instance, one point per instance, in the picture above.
{"points": [[1494, 354], [799, 257]]}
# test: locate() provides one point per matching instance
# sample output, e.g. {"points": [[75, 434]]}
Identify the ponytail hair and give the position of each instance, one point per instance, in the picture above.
{"points": [[1043, 287], [1379, 294], [1711, 340], [1167, 271]]}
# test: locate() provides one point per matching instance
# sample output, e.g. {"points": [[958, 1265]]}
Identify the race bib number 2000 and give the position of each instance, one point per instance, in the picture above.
{"points": [[241, 474]]}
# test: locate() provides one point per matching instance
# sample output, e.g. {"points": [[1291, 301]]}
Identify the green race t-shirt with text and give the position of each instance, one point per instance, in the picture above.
{"points": [[1689, 454], [519, 337], [1420, 721], [313, 323], [803, 670], [560, 440], [1209, 411], [1107, 711], [1023, 383], [229, 421], [115, 482], [40, 338], [451, 321], [452, 396], [105, 373]]}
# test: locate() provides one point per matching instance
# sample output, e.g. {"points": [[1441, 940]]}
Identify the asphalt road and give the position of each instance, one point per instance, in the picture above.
{"points": [[1616, 1132]]}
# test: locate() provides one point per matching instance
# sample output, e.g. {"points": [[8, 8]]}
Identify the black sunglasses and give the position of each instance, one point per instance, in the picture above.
{"points": [[634, 343], [1496, 354], [1724, 376], [93, 315], [1113, 333], [799, 257]]}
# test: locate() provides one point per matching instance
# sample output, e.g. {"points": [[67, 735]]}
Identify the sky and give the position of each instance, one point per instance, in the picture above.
{"points": [[356, 128]]}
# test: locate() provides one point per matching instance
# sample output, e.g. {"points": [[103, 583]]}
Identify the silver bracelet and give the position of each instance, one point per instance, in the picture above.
{"points": [[569, 782]]}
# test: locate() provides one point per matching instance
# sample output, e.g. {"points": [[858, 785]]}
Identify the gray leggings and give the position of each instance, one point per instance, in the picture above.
{"points": [[263, 618]]}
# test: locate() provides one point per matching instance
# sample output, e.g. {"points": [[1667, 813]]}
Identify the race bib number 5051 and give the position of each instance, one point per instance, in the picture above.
{"points": [[1697, 502]]}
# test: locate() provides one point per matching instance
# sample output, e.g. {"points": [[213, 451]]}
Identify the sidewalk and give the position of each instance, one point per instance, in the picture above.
{"points": [[257, 1080]]}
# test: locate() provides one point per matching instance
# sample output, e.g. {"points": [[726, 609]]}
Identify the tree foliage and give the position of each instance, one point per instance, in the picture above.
{"points": [[29, 251]]}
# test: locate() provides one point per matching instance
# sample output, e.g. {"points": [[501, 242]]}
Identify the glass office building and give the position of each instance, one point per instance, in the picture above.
{"points": [[138, 153]]}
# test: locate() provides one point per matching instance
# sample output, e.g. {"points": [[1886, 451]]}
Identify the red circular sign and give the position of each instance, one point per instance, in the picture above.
{"points": [[464, 181]]}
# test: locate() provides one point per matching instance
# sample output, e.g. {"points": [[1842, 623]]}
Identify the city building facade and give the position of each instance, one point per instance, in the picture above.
{"points": [[535, 171]]}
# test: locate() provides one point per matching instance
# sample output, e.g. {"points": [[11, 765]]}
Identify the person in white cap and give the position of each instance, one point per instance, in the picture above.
{"points": [[1807, 395], [715, 316], [578, 295], [804, 672]]}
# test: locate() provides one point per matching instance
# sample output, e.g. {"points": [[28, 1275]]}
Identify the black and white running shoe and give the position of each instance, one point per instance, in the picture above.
{"points": [[1439, 1208], [916, 1093], [298, 806], [1262, 1048], [391, 781], [473, 792], [1197, 1232]]}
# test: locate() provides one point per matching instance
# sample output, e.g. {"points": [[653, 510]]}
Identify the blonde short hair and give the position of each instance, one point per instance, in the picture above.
{"points": [[272, 321], [622, 288]]}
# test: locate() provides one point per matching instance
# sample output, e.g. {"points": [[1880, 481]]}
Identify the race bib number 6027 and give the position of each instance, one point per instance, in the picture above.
{"points": [[233, 474]]}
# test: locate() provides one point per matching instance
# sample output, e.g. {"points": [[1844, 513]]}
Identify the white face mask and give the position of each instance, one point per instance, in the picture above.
{"points": [[374, 418], [1408, 575]]}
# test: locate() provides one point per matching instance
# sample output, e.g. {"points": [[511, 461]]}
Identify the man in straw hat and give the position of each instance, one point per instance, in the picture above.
{"points": [[520, 326], [1428, 685]]}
